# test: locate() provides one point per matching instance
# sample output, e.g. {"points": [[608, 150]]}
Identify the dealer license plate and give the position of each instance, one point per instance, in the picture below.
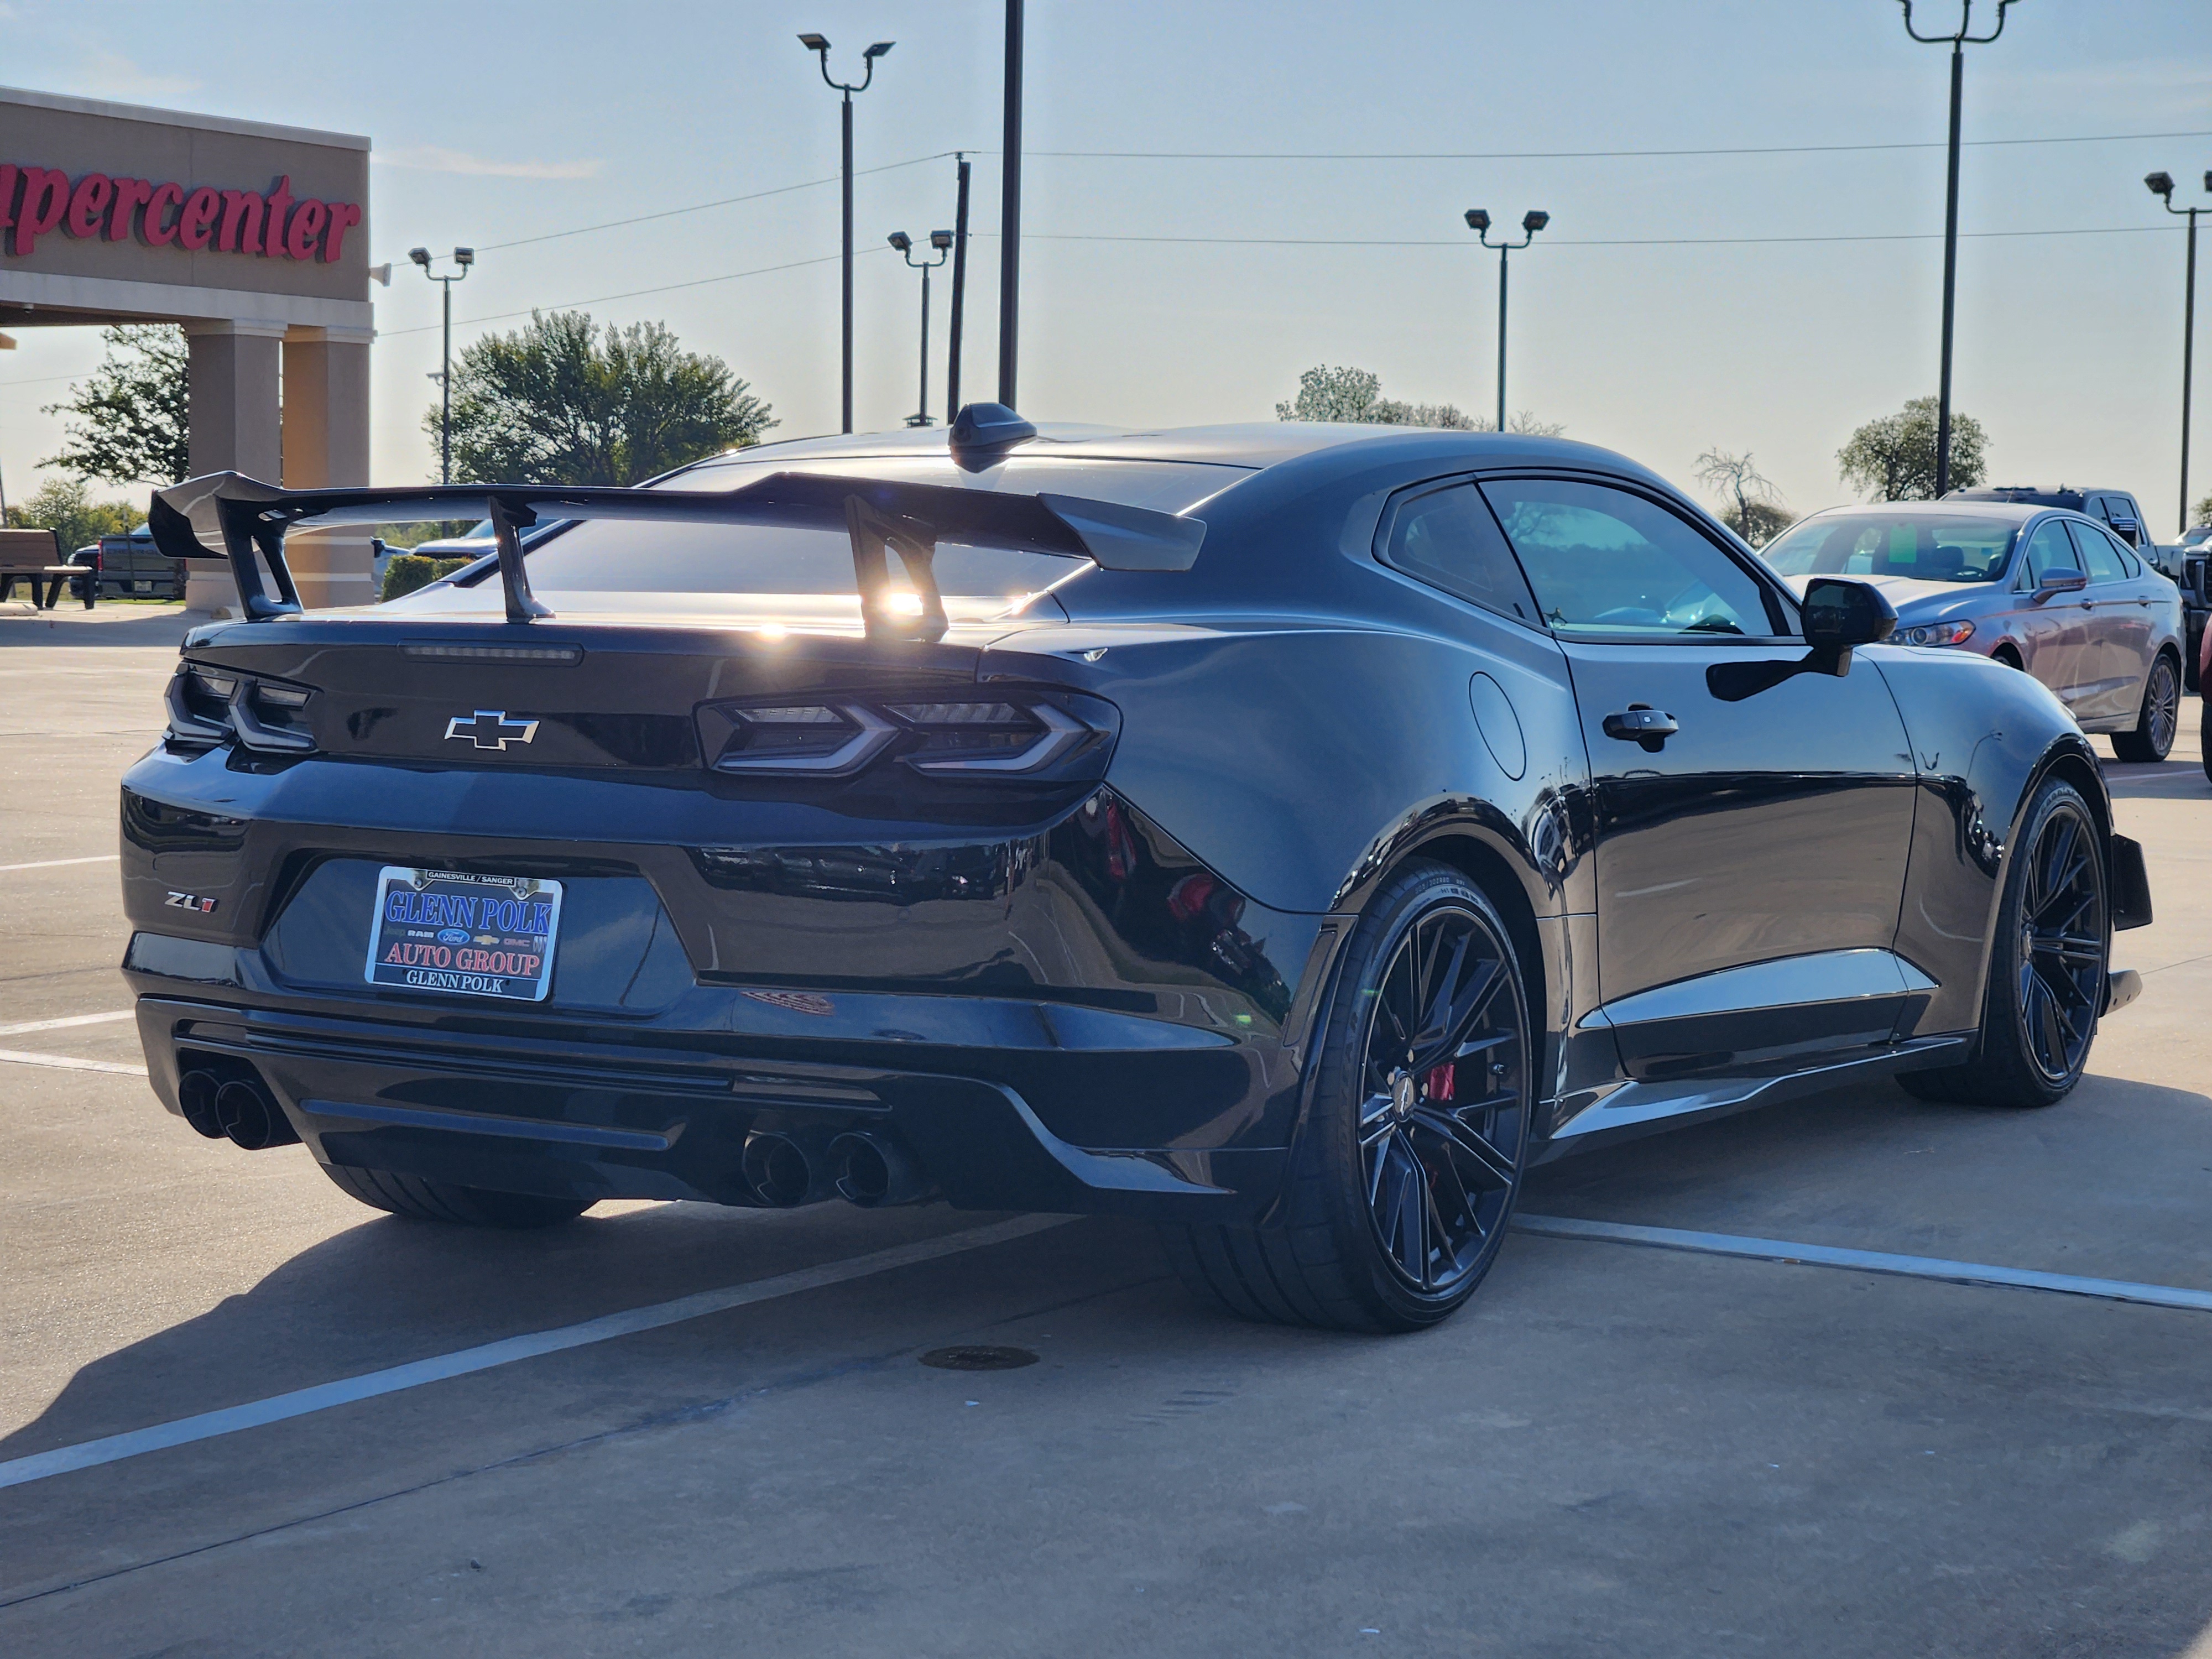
{"points": [[480, 936]]}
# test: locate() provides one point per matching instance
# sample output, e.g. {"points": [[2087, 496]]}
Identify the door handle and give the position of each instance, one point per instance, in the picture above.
{"points": [[1640, 723]]}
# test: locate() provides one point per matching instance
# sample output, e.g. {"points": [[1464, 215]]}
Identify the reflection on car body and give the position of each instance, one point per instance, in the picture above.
{"points": [[1291, 834]]}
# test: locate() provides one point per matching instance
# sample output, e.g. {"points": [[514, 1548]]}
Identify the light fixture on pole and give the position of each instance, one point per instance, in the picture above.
{"points": [[820, 44], [464, 258], [1478, 221], [2161, 186], [942, 241], [1957, 42]]}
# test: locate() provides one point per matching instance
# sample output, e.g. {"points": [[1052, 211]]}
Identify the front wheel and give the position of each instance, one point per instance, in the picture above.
{"points": [[2047, 968], [2160, 716], [1411, 1157]]}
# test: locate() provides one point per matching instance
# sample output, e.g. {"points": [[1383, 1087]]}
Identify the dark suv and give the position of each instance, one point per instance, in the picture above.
{"points": [[131, 566]]}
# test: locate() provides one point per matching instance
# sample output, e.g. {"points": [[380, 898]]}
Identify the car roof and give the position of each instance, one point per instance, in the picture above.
{"points": [[1253, 444], [1951, 507]]}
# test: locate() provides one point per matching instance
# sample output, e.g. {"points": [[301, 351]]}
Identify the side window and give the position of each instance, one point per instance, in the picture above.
{"points": [[2100, 555], [1603, 561], [2048, 550], [1447, 539]]}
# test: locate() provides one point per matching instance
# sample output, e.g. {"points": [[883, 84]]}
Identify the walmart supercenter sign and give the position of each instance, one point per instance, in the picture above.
{"points": [[40, 201]]}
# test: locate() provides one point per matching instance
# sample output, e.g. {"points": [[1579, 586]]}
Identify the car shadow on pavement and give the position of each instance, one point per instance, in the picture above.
{"points": [[387, 1291]]}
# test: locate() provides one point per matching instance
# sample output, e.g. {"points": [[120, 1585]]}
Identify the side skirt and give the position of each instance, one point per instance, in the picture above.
{"points": [[1631, 1109]]}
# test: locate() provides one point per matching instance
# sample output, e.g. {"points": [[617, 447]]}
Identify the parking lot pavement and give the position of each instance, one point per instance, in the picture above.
{"points": [[1614, 1449]]}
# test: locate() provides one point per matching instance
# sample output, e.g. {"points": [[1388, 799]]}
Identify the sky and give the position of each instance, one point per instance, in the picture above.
{"points": [[1768, 300]]}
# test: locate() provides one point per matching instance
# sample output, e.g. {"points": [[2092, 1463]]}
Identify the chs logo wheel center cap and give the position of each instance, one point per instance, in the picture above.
{"points": [[1403, 1095]]}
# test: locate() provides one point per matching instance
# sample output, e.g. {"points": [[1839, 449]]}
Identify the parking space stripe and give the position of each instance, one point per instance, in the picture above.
{"points": [[69, 1062], [107, 1019], [302, 1402], [56, 864], [1873, 1262]]}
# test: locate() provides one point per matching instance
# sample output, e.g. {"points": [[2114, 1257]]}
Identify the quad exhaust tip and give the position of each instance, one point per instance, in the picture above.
{"points": [[239, 1110], [783, 1172]]}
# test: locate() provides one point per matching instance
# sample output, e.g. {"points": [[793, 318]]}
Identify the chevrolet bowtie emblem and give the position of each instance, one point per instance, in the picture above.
{"points": [[489, 728]]}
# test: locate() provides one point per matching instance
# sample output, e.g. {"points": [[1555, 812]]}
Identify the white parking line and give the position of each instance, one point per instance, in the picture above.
{"points": [[1873, 1262], [302, 1402], [69, 1062], [109, 1017], [56, 864]]}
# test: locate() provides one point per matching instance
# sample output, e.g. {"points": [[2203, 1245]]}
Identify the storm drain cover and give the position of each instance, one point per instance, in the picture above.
{"points": [[976, 1356]]}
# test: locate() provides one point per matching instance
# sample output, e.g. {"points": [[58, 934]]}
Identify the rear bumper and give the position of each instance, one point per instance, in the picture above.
{"points": [[656, 1112]]}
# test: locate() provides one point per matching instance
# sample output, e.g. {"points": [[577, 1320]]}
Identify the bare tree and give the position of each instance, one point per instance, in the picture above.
{"points": [[1751, 506]]}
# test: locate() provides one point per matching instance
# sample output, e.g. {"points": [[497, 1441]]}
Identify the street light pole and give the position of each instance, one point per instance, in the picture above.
{"points": [[464, 258], [942, 241], [820, 45], [2161, 186], [1010, 212], [1957, 42], [1478, 221]]}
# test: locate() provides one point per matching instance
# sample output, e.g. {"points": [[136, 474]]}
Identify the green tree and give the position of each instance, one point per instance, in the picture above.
{"points": [[133, 415], [2201, 513], [557, 403], [65, 507], [1750, 504], [1355, 395], [1893, 459]]}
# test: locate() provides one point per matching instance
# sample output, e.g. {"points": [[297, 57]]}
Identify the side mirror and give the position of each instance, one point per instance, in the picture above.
{"points": [[1839, 613], [2059, 581]]}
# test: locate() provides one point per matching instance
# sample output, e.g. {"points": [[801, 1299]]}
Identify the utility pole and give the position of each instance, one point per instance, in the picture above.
{"points": [[959, 295], [464, 258], [820, 44], [1478, 221], [2161, 186], [1957, 42], [1009, 213]]}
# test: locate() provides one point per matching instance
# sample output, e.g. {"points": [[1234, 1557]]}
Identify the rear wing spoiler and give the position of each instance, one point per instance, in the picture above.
{"points": [[226, 515]]}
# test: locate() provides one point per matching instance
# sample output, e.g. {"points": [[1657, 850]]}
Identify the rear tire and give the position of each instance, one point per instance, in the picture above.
{"points": [[437, 1200], [2159, 718], [1406, 1170], [2047, 971]]}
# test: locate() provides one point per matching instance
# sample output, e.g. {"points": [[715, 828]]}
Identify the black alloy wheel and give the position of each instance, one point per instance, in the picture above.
{"points": [[2047, 966], [2159, 718], [1442, 1120], [1410, 1158]]}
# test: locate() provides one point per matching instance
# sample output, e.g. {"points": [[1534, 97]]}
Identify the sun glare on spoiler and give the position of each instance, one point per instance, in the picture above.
{"points": [[226, 515]]}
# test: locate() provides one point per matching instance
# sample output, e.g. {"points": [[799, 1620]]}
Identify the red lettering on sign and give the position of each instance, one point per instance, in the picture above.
{"points": [[46, 198], [280, 204], [88, 204], [158, 229], [8, 173], [131, 194], [308, 223], [344, 216], [196, 224], [242, 212]]}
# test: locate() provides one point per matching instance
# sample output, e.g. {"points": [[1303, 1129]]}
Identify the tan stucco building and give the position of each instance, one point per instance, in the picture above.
{"points": [[255, 238]]}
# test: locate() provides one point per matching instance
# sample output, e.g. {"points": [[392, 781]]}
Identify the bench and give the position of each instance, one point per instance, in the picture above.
{"points": [[35, 556]]}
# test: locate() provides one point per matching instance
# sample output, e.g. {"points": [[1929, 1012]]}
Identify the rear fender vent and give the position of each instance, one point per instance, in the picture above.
{"points": [[1027, 736]]}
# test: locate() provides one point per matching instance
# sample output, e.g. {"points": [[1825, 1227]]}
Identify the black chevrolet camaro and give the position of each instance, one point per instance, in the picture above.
{"points": [[1290, 834]]}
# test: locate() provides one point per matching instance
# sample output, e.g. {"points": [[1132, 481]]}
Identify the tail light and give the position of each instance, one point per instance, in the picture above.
{"points": [[1024, 736], [210, 706]]}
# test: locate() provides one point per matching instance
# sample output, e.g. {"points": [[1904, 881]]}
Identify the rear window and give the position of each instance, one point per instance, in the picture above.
{"points": [[1923, 547], [608, 557]]}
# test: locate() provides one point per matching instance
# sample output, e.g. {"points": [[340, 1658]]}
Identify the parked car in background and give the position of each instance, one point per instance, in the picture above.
{"points": [[2189, 562], [2052, 591], [129, 567]]}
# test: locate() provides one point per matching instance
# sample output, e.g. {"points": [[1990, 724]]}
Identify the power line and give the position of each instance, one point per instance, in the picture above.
{"points": [[1604, 241], [702, 207], [1575, 154]]}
